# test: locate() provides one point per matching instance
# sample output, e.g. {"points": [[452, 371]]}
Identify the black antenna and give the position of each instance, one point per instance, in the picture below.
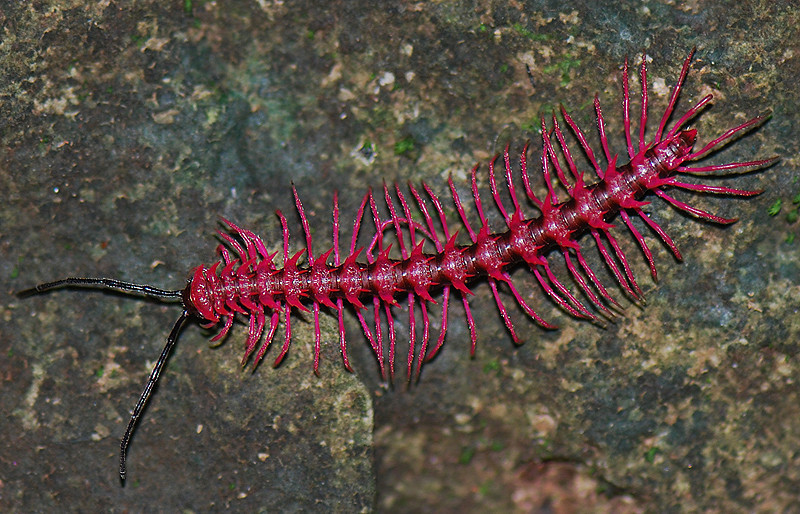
{"points": [[147, 391], [101, 283], [126, 287]]}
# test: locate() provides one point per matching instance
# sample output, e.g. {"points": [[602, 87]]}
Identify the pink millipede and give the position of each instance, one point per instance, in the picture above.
{"points": [[247, 281]]}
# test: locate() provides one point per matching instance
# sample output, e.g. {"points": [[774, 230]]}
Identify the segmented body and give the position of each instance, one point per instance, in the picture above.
{"points": [[250, 283]]}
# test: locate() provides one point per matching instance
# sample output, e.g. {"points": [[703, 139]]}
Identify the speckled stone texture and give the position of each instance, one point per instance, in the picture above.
{"points": [[127, 130]]}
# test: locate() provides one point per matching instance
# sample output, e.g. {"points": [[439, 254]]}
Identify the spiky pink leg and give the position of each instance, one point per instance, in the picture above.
{"points": [[471, 323], [468, 227], [287, 340], [511, 221], [551, 153], [339, 302], [590, 273], [522, 303], [342, 339], [727, 135], [655, 227], [232, 242], [612, 265], [584, 312], [582, 282], [359, 306], [317, 338], [573, 169], [390, 328], [224, 330], [643, 114], [626, 109], [376, 312], [503, 312], [291, 297], [425, 337], [700, 213], [705, 188], [404, 253], [582, 140], [601, 128], [443, 330], [412, 328], [492, 281], [525, 179], [512, 190], [412, 332], [376, 301], [439, 248], [691, 113], [257, 321], [674, 96], [460, 207], [621, 256], [728, 166], [642, 244], [273, 327], [310, 254], [396, 223], [495, 194], [552, 294]]}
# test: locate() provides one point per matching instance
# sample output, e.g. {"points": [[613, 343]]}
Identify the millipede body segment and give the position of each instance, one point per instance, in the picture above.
{"points": [[376, 277]]}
